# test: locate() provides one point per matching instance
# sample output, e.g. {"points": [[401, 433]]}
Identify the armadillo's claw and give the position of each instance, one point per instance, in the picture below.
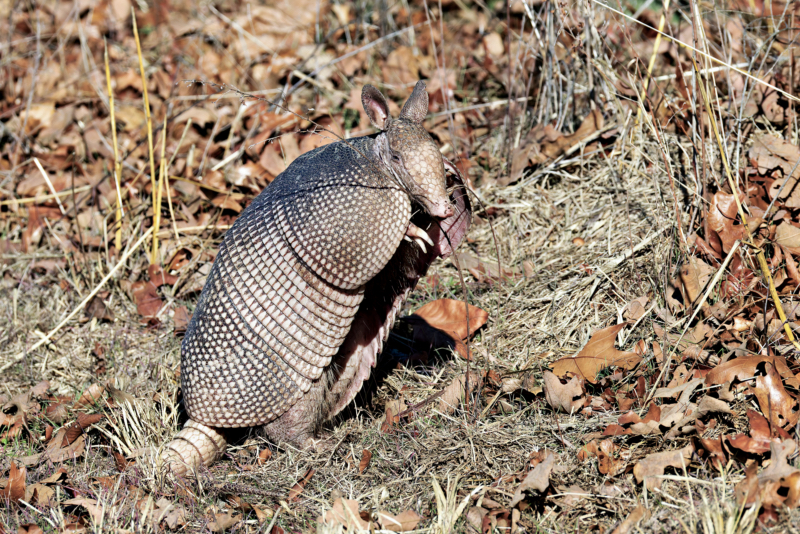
{"points": [[194, 445], [419, 236]]}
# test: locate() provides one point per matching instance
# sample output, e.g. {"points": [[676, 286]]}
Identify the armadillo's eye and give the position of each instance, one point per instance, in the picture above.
{"points": [[396, 157]]}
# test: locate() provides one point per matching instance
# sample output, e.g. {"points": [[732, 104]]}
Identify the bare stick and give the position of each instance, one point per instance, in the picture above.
{"points": [[50, 185]]}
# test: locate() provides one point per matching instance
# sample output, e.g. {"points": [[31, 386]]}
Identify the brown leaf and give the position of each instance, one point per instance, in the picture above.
{"points": [[95, 510], [227, 202], [485, 270], [780, 482], [759, 440], [629, 524], [263, 456], [788, 237], [722, 217], [695, 275], [14, 489], [537, 479], [612, 459], [450, 316], [401, 67], [745, 367], [567, 397], [598, 354], [159, 276], [31, 529], [393, 410], [714, 451], [402, 522], [92, 395], [653, 465], [41, 495], [36, 224], [774, 400], [590, 125], [55, 452], [224, 521], [97, 309], [636, 308], [145, 296], [181, 320], [344, 512], [746, 491], [453, 395], [39, 390], [79, 427], [475, 516], [297, 489], [771, 152], [366, 456]]}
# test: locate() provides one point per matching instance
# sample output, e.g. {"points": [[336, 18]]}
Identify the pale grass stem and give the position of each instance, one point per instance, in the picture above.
{"points": [[157, 192], [651, 64], [169, 195], [117, 164], [149, 121], [43, 198]]}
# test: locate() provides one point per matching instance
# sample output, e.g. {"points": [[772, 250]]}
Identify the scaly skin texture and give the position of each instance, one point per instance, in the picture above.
{"points": [[308, 282]]}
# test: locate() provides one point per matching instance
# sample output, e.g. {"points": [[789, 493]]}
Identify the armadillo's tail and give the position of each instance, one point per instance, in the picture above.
{"points": [[195, 445]]}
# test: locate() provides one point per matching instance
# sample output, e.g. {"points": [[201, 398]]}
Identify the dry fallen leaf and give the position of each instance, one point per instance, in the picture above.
{"points": [[780, 482], [450, 316], [567, 397], [629, 524], [760, 439], [537, 479], [745, 367], [598, 354], [297, 489], [263, 456], [773, 399], [92, 506], [611, 458], [636, 308], [366, 456], [344, 512], [223, 521], [653, 465], [453, 395], [14, 489], [402, 522], [92, 395]]}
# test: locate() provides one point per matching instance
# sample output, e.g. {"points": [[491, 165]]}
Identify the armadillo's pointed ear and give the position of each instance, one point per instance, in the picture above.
{"points": [[376, 106], [416, 107]]}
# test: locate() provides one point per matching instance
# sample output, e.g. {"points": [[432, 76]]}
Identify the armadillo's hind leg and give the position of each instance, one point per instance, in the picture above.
{"points": [[196, 444]]}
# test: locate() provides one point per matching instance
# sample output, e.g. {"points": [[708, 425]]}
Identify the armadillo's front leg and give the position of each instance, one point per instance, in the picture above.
{"points": [[194, 445], [419, 236]]}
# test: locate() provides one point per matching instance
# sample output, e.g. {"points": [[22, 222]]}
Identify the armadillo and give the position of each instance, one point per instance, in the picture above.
{"points": [[309, 280]]}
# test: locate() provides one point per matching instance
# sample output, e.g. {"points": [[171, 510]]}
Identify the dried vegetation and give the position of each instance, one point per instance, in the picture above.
{"points": [[630, 360]]}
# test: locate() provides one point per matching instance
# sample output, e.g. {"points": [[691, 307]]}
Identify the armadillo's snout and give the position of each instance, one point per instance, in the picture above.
{"points": [[442, 209], [447, 212]]}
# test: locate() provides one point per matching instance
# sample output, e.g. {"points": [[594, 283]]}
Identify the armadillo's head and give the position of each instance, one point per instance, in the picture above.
{"points": [[408, 150]]}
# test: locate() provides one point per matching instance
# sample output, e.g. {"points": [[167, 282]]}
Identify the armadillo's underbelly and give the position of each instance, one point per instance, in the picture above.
{"points": [[265, 328]]}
